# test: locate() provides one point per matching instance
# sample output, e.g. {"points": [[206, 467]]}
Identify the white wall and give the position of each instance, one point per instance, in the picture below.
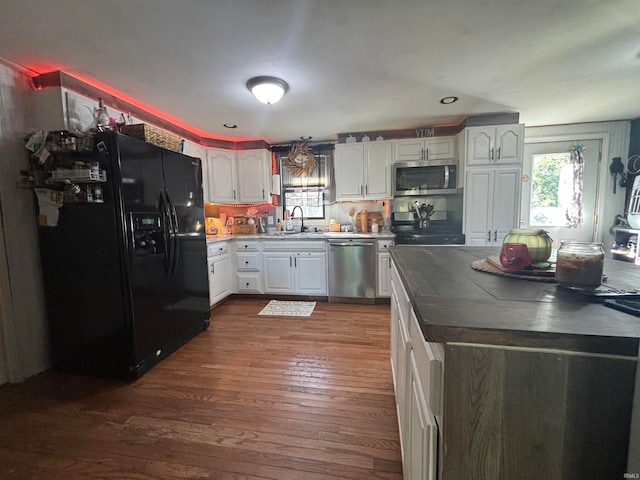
{"points": [[23, 330], [617, 135]]}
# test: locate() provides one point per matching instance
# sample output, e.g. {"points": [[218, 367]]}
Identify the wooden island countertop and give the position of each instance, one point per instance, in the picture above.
{"points": [[454, 303], [538, 381]]}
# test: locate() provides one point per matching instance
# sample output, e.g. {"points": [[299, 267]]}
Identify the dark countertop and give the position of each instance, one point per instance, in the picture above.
{"points": [[455, 303]]}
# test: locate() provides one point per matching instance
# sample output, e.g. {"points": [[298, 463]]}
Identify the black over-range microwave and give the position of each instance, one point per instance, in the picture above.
{"points": [[425, 177]]}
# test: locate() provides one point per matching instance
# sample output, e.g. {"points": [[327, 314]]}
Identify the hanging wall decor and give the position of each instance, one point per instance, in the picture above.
{"points": [[300, 161], [574, 212]]}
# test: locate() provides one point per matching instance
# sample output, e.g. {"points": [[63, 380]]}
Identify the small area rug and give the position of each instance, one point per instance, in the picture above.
{"points": [[289, 309]]}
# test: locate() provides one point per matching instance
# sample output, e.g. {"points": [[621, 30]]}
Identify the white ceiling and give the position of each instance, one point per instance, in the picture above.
{"points": [[352, 65]]}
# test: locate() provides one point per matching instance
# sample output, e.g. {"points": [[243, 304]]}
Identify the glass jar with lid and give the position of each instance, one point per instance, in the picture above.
{"points": [[580, 264]]}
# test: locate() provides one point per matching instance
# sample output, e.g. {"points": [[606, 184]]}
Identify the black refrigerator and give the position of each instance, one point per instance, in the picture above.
{"points": [[125, 277]]}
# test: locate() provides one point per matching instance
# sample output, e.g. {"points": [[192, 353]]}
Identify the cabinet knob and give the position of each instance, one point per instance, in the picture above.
{"points": [[246, 262], [247, 284]]}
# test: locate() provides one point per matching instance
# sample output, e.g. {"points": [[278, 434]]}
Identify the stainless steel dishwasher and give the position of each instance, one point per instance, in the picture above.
{"points": [[352, 269]]}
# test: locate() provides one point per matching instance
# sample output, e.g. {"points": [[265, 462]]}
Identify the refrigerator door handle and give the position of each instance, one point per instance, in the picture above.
{"points": [[166, 234], [174, 236]]}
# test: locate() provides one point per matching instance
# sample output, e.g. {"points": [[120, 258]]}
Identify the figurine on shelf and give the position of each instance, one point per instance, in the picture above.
{"points": [[101, 116]]}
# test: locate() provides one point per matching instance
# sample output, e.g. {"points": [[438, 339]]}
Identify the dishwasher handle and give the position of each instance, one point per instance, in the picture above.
{"points": [[352, 244]]}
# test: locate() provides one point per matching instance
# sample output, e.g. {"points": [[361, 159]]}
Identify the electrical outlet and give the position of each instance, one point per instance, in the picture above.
{"points": [[269, 220]]}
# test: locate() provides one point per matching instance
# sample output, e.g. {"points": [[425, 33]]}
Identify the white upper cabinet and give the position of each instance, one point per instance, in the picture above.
{"points": [[254, 175], [194, 150], [433, 148], [237, 177], [494, 145], [362, 170], [219, 176]]}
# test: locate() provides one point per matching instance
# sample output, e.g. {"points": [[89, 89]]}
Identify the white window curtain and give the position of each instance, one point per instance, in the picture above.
{"points": [[574, 210]]}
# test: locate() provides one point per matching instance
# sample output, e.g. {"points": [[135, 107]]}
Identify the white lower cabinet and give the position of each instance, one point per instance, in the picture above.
{"points": [[417, 367], [295, 267], [383, 284], [219, 271], [310, 273], [278, 272], [248, 265], [423, 430]]}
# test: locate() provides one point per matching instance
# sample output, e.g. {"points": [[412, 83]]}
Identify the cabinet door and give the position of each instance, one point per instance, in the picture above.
{"points": [[509, 144], [479, 143], [220, 176], [478, 199], [505, 208], [384, 275], [377, 179], [278, 272], [423, 431], [253, 170], [394, 334], [439, 148], [402, 394], [492, 204], [310, 273], [433, 148], [349, 171], [410, 149], [219, 278]]}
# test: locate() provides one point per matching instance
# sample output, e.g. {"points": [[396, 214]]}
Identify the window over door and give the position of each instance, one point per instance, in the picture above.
{"points": [[549, 189]]}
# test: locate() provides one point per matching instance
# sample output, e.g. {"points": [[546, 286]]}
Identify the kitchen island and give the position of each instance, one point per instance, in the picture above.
{"points": [[536, 381]]}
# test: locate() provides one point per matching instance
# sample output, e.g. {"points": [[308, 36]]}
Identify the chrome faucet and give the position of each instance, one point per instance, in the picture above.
{"points": [[302, 227]]}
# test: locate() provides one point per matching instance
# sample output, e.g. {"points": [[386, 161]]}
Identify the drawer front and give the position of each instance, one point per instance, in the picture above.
{"points": [[295, 245], [217, 248], [249, 283], [248, 261], [384, 245], [247, 246], [429, 365]]}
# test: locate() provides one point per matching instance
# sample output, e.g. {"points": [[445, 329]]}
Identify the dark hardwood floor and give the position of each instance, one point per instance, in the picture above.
{"points": [[254, 397]]}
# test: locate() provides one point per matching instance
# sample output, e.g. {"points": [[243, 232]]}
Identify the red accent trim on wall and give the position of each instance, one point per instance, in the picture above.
{"points": [[118, 100]]}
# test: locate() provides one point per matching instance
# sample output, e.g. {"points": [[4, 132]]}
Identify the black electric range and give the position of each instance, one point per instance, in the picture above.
{"points": [[429, 238], [439, 232]]}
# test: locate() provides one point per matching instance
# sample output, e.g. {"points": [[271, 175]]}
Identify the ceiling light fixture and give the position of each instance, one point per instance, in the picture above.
{"points": [[267, 89], [448, 100]]}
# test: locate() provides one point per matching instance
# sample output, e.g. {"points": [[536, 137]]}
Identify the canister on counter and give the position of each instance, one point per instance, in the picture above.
{"points": [[580, 264], [364, 221]]}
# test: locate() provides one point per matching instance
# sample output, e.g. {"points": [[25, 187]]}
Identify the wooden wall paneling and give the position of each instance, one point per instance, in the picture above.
{"points": [[473, 409], [530, 413], [533, 429]]}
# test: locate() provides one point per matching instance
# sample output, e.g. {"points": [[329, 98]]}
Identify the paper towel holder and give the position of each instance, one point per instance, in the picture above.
{"points": [[275, 184]]}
